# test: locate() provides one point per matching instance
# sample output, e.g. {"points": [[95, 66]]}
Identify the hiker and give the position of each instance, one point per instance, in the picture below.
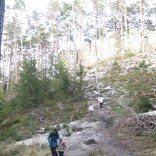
{"points": [[62, 146], [101, 100], [91, 109], [52, 140]]}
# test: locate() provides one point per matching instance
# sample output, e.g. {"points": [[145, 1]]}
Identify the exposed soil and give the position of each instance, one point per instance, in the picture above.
{"points": [[105, 130]]}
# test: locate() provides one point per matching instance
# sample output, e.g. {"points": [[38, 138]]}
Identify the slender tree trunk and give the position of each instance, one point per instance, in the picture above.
{"points": [[21, 46], [142, 28], [68, 55], [39, 50], [15, 55], [3, 65], [121, 24], [9, 69], [126, 25], [74, 38], [52, 44]]}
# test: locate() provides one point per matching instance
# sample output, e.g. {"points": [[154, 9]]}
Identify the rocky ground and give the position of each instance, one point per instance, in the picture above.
{"points": [[93, 133], [106, 130]]}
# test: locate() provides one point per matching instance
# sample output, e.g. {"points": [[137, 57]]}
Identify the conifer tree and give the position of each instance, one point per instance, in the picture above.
{"points": [[29, 85]]}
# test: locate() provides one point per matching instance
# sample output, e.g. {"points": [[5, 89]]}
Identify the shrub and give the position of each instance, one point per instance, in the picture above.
{"points": [[154, 136], [10, 133], [65, 125], [153, 69], [68, 132], [48, 128], [74, 128], [144, 104], [115, 65], [142, 64], [129, 53]]}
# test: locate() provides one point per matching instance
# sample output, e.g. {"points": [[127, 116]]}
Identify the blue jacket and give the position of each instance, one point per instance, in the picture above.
{"points": [[52, 139]]}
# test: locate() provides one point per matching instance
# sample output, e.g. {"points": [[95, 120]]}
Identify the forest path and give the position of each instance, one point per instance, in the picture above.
{"points": [[109, 123]]}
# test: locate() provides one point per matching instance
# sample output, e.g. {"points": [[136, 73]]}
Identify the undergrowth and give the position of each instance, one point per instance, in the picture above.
{"points": [[25, 125], [138, 83]]}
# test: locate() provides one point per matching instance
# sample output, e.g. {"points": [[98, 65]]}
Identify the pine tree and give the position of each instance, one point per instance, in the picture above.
{"points": [[29, 85]]}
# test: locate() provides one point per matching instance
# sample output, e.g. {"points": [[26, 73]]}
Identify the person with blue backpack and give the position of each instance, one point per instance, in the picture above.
{"points": [[52, 140]]}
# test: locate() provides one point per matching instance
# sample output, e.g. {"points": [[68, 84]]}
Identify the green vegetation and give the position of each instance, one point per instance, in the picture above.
{"points": [[34, 90], [115, 66], [118, 108], [23, 150], [154, 136], [142, 64], [139, 84], [128, 53], [144, 105], [99, 152], [29, 89]]}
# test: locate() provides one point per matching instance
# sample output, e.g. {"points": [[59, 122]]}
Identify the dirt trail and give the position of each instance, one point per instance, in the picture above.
{"points": [[107, 141], [103, 128]]}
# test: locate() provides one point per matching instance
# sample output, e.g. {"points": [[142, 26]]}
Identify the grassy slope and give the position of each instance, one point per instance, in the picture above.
{"points": [[137, 81]]}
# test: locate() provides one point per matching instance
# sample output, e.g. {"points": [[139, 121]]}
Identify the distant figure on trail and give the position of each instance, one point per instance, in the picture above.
{"points": [[52, 140], [101, 100], [91, 109], [62, 146]]}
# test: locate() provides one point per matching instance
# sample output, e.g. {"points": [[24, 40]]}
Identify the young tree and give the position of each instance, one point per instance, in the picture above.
{"points": [[61, 81], [29, 92], [80, 83]]}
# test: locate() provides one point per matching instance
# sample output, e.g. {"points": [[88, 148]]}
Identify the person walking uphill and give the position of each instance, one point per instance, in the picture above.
{"points": [[91, 109], [62, 146], [101, 100], [52, 140]]}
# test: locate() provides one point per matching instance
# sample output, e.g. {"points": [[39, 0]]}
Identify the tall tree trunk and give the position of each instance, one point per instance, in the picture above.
{"points": [[21, 46], [74, 37], [142, 28], [121, 25], [9, 69], [3, 65], [15, 55], [68, 54], [126, 25]]}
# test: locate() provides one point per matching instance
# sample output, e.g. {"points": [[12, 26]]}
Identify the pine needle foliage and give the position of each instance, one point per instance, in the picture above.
{"points": [[29, 85]]}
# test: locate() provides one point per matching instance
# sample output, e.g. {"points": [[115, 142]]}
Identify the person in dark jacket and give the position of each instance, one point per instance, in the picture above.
{"points": [[52, 140]]}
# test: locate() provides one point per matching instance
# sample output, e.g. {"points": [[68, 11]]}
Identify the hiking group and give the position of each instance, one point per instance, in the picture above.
{"points": [[54, 136], [101, 101], [56, 147]]}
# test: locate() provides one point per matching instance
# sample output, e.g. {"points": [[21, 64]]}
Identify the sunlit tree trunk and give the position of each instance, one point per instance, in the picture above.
{"points": [[126, 24], [74, 37], [121, 26], [15, 53], [142, 28]]}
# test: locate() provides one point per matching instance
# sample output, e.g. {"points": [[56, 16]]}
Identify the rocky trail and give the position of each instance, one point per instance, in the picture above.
{"points": [[103, 130], [107, 122], [94, 133]]}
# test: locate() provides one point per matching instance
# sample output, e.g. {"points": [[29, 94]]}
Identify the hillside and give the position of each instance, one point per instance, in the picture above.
{"points": [[123, 80]]}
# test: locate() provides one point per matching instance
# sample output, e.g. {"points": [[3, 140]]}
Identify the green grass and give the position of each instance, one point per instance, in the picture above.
{"points": [[117, 108], [136, 83], [26, 124]]}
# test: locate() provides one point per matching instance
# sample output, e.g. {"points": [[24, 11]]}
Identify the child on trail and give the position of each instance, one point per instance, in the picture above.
{"points": [[62, 146], [52, 140], [91, 109], [101, 100]]}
